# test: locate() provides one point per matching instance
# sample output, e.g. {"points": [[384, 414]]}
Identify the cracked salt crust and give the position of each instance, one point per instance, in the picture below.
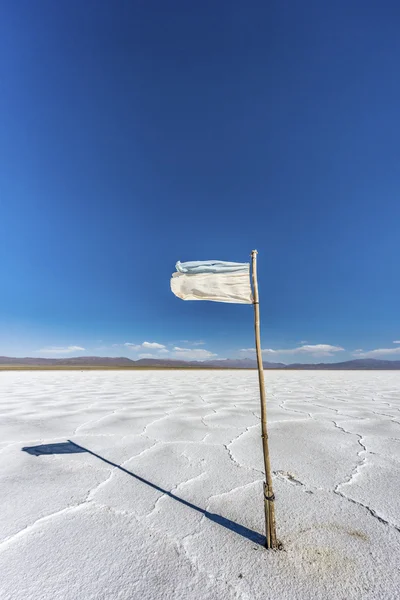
{"points": [[76, 527]]}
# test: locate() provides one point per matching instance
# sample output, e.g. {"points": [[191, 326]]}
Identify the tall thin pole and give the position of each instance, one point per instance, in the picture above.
{"points": [[269, 508]]}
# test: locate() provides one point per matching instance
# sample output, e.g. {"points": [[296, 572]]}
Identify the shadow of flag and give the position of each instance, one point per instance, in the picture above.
{"points": [[62, 448]]}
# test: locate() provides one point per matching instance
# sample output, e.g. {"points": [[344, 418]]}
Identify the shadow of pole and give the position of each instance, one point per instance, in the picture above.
{"points": [[231, 525], [73, 447]]}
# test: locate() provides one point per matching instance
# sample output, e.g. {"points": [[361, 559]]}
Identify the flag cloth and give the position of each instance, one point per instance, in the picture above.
{"points": [[215, 280]]}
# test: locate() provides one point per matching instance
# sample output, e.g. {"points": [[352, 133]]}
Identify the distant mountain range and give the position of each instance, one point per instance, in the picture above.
{"points": [[240, 363]]}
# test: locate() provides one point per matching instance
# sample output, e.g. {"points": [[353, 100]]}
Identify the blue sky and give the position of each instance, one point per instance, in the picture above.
{"points": [[136, 134]]}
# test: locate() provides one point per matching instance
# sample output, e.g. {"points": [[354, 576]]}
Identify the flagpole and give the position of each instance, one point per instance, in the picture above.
{"points": [[269, 508]]}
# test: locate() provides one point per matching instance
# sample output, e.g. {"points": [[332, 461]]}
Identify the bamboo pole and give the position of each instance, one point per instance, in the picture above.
{"points": [[269, 508]]}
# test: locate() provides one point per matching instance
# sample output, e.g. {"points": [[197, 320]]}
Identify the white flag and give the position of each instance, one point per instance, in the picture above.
{"points": [[214, 280]]}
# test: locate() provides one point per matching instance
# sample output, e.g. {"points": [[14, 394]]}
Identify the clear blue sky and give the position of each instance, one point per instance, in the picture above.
{"points": [[134, 134]]}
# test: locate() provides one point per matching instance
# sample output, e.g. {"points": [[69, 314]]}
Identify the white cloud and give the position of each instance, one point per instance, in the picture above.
{"points": [[318, 349], [145, 345], [314, 349], [192, 353], [153, 345], [177, 352], [61, 349], [396, 342], [376, 353]]}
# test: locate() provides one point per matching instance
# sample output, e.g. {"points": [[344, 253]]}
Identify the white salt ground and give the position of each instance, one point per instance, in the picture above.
{"points": [[183, 515]]}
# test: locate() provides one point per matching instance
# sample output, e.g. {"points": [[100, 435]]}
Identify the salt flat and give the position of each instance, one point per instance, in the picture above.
{"points": [[160, 494]]}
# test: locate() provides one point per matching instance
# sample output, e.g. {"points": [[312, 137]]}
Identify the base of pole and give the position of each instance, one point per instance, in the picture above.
{"points": [[269, 511], [278, 546]]}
